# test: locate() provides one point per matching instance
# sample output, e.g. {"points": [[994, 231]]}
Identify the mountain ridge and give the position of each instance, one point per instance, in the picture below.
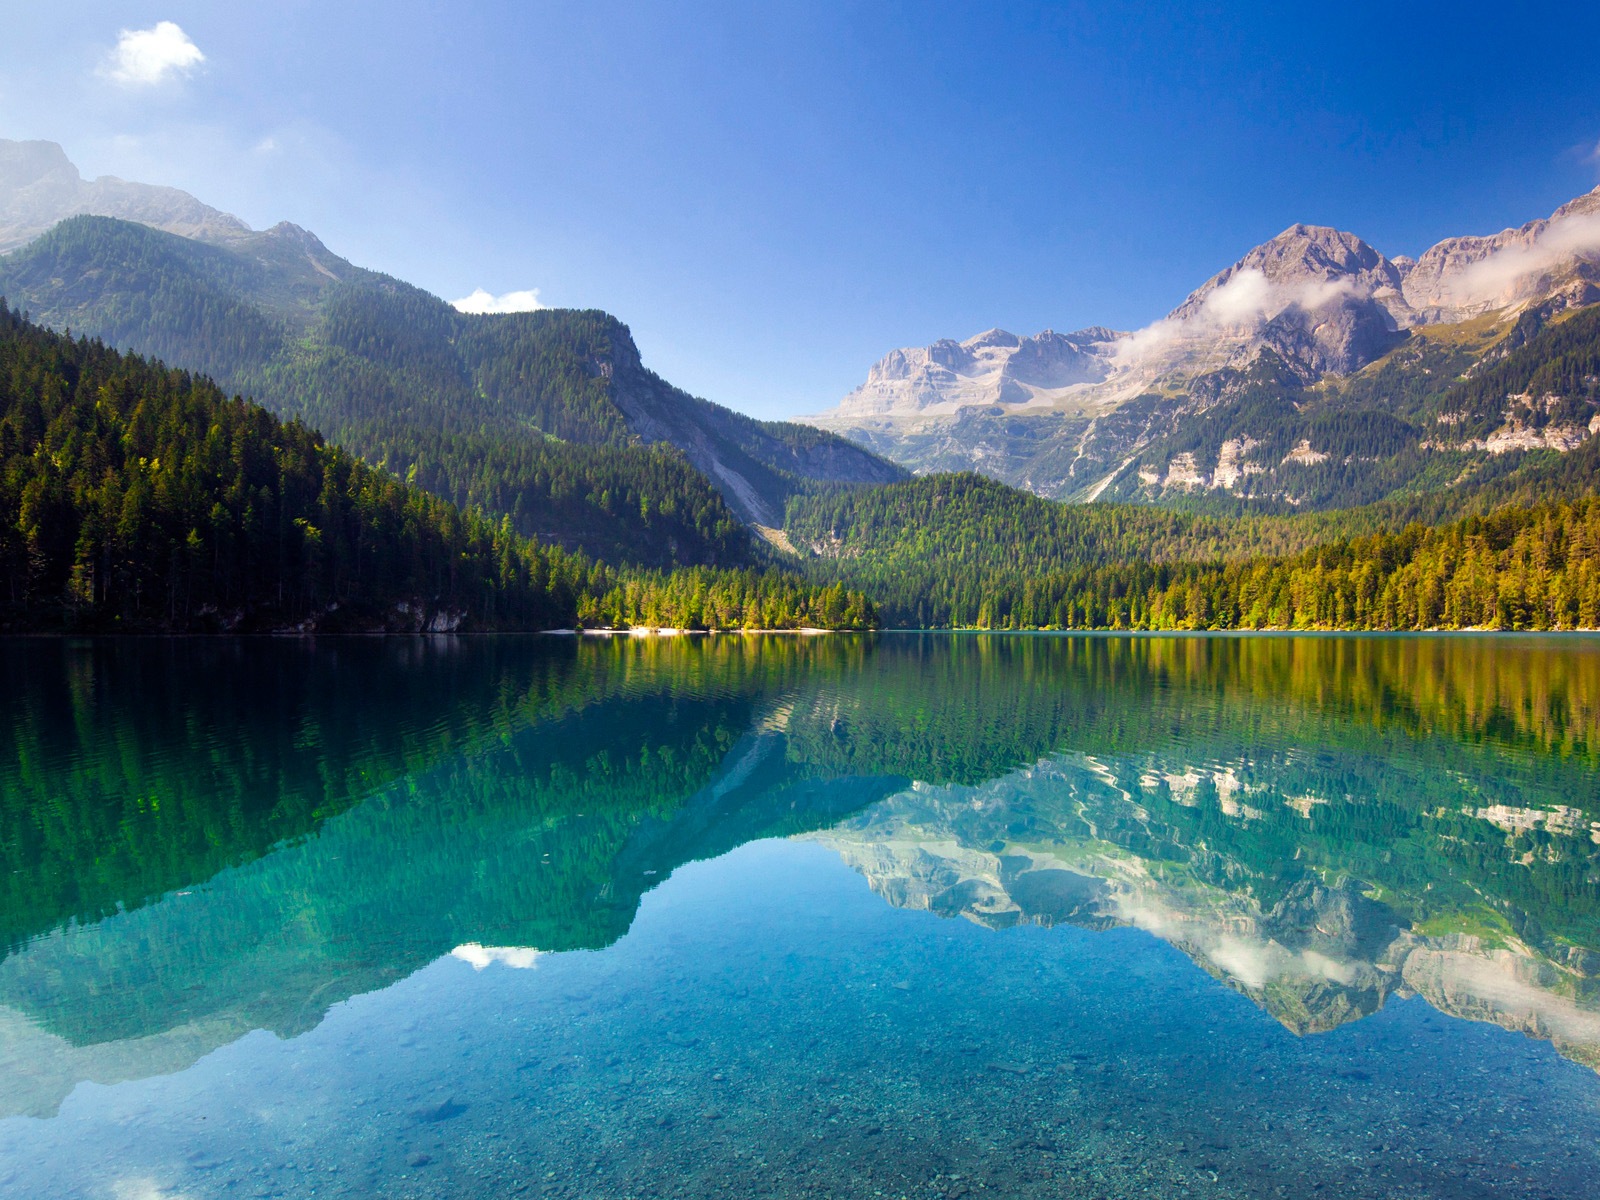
{"points": [[1318, 303], [408, 381], [39, 185]]}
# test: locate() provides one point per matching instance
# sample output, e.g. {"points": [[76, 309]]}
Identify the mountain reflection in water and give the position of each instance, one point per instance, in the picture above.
{"points": [[202, 839]]}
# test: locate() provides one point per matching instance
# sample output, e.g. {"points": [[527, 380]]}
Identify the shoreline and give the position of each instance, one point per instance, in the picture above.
{"points": [[805, 631], [672, 631], [311, 635]]}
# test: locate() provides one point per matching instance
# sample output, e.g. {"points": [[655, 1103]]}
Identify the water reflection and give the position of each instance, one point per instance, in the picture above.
{"points": [[203, 839], [1099, 843], [544, 836]]}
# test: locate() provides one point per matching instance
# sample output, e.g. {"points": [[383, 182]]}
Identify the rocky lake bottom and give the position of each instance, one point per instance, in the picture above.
{"points": [[771, 1028]]}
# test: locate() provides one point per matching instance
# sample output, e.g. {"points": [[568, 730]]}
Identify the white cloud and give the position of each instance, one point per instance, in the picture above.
{"points": [[1493, 277], [143, 1189], [1250, 298], [1242, 303], [1242, 300], [509, 302], [518, 958], [144, 57]]}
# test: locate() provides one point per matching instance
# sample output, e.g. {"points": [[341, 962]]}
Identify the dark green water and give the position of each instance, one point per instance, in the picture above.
{"points": [[915, 915]]}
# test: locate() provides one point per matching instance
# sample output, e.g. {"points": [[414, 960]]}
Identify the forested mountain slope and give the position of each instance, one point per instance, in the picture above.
{"points": [[548, 417], [136, 497], [939, 549], [132, 496], [943, 550], [973, 522], [963, 551], [1516, 568]]}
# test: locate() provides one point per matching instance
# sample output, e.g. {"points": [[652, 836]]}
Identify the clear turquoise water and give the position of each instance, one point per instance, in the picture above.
{"points": [[914, 916]]}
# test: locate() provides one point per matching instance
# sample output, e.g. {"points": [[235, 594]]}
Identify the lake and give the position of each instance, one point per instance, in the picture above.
{"points": [[904, 915]]}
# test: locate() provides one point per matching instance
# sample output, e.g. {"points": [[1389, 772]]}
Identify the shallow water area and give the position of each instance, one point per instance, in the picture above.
{"points": [[910, 916]]}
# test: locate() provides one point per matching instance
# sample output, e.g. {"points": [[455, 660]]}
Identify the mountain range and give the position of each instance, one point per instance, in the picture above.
{"points": [[548, 417], [1315, 323], [1314, 394]]}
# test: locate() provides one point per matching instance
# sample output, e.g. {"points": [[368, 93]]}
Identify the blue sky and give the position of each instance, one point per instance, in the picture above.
{"points": [[773, 195]]}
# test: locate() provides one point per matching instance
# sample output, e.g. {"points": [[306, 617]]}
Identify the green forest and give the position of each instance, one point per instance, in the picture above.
{"points": [[1517, 568], [134, 497], [965, 552]]}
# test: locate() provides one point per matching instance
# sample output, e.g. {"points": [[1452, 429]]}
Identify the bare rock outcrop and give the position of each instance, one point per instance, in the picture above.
{"points": [[1554, 259]]}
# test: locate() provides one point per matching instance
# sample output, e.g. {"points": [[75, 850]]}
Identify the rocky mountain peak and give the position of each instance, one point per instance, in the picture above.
{"points": [[1321, 299], [1306, 266], [35, 164], [1313, 251], [1583, 205], [39, 186], [1554, 260], [1064, 414], [992, 338], [290, 232], [288, 236]]}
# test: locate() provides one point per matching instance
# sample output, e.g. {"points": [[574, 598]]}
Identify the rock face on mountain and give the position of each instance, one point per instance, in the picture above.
{"points": [[994, 367], [39, 186], [1061, 414], [1558, 258], [746, 460], [1323, 300]]}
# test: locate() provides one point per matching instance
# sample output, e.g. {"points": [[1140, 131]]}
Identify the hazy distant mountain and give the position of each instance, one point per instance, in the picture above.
{"points": [[1068, 414], [549, 417], [39, 186], [992, 368]]}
